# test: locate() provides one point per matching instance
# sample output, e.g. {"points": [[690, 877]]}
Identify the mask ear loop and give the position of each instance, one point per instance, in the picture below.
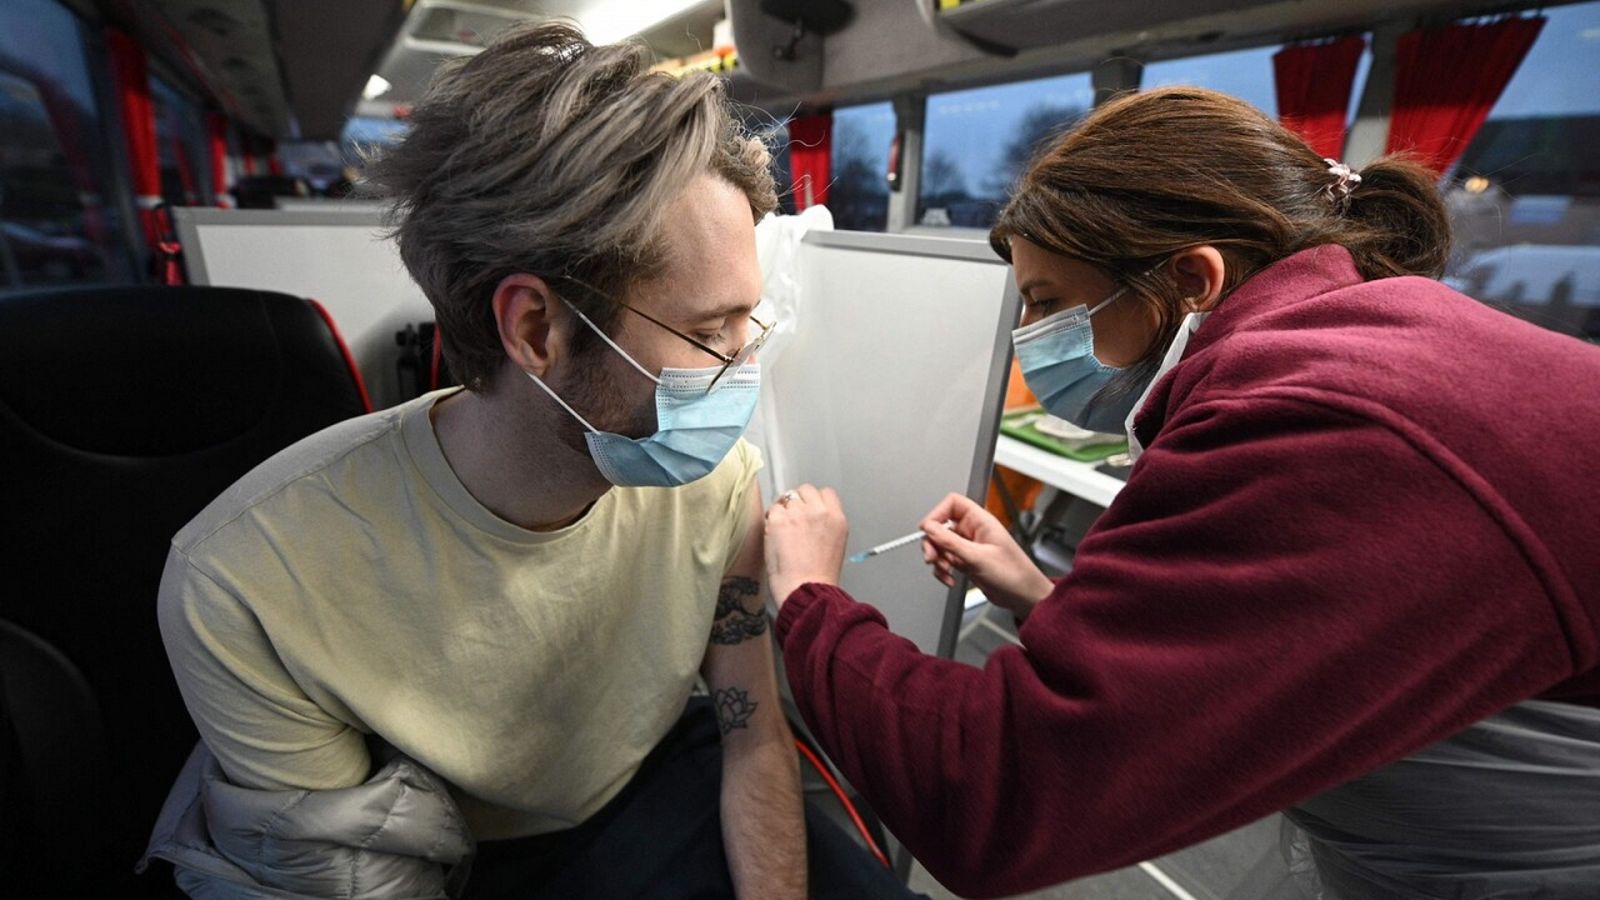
{"points": [[1107, 301], [604, 337], [607, 338], [1124, 289], [564, 405]]}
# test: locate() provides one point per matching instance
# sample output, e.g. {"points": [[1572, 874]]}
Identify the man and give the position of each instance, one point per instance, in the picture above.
{"points": [[506, 592]]}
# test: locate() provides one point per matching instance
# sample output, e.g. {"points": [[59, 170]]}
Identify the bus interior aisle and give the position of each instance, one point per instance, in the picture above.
{"points": [[196, 272]]}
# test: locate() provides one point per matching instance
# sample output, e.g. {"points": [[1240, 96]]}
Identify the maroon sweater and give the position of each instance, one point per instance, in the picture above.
{"points": [[1368, 516]]}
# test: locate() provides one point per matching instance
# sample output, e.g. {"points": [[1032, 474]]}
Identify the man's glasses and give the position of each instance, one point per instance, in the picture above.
{"points": [[730, 363]]}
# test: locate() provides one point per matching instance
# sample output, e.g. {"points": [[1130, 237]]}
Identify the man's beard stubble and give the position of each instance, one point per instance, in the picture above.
{"points": [[598, 390]]}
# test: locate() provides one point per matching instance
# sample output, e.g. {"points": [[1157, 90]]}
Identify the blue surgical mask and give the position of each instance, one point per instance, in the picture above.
{"points": [[1059, 365], [695, 429]]}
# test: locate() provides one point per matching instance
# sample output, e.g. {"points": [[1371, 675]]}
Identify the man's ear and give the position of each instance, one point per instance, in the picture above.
{"points": [[1200, 273], [531, 320]]}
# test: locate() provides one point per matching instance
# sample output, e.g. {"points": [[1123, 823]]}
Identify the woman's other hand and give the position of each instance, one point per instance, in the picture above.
{"points": [[977, 545], [805, 538]]}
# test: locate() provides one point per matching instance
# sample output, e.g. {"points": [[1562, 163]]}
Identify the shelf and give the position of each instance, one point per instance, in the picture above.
{"points": [[1076, 478]]}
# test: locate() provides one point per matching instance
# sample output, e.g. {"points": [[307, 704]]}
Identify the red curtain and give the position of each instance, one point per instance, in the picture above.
{"points": [[1446, 80], [217, 140], [810, 167], [131, 81], [1313, 84]]}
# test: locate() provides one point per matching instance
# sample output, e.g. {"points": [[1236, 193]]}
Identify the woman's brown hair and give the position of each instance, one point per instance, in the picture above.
{"points": [[1152, 173]]}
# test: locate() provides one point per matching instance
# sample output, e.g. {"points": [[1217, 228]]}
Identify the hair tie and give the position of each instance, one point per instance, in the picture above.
{"points": [[1345, 180]]}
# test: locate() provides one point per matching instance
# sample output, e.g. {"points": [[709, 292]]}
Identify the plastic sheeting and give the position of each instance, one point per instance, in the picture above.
{"points": [[782, 304]]}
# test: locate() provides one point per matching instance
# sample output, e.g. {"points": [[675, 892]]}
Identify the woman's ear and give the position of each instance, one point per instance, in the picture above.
{"points": [[526, 311], [1200, 273]]}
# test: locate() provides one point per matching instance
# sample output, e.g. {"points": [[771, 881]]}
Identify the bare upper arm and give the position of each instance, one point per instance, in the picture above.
{"points": [[739, 667]]}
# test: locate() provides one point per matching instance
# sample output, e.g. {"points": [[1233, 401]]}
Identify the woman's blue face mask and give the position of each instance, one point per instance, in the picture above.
{"points": [[1059, 365]]}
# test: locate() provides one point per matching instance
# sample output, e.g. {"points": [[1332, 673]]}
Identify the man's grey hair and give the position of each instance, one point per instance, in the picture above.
{"points": [[548, 155]]}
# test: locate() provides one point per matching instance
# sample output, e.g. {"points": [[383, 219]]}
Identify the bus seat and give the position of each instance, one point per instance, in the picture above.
{"points": [[421, 366], [52, 772], [123, 412]]}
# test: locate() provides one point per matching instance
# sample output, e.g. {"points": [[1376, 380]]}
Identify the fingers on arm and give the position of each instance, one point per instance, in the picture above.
{"points": [[810, 500]]}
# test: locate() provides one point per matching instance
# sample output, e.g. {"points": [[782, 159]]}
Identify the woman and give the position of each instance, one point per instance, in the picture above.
{"points": [[1362, 520]]}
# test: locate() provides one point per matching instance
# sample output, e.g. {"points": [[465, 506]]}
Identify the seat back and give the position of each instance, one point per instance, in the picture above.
{"points": [[52, 773], [123, 412]]}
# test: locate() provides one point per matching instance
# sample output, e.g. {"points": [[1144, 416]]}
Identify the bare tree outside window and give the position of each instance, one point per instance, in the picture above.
{"points": [[858, 196], [978, 141], [1040, 126]]}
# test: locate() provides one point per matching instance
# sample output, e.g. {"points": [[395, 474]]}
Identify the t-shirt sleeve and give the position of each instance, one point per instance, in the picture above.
{"points": [[744, 461], [263, 729]]}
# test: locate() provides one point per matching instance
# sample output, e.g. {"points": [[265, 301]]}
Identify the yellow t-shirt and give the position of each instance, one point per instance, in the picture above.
{"points": [[351, 585]]}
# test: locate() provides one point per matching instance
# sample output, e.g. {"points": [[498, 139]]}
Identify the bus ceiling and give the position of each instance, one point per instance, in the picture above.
{"points": [[297, 69], [896, 47], [289, 69], [821, 53]]}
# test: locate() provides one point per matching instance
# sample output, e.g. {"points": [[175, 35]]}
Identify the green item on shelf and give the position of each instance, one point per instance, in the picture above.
{"points": [[1022, 425]]}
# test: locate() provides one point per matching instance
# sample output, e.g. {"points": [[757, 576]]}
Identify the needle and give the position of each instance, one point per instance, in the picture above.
{"points": [[913, 537]]}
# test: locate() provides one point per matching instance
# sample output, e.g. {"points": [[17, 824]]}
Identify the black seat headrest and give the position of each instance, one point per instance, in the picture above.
{"points": [[123, 412]]}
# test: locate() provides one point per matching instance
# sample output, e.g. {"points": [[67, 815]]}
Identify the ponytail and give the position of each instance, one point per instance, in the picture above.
{"points": [[1396, 219]]}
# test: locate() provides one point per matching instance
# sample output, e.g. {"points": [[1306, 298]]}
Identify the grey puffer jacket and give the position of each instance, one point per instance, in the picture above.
{"points": [[399, 835]]}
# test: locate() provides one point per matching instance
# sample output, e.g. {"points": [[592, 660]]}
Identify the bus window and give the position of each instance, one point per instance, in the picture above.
{"points": [[775, 134], [1525, 196], [1246, 74], [320, 164], [977, 143], [181, 146], [58, 216], [863, 137], [365, 136]]}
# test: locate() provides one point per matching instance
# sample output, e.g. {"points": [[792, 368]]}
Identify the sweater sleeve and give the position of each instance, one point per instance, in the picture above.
{"points": [[1285, 596]]}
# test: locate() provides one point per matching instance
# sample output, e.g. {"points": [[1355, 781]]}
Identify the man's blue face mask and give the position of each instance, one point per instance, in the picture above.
{"points": [[1058, 363], [696, 426]]}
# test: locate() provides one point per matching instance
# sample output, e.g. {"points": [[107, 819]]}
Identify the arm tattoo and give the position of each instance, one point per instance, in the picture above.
{"points": [[734, 623], [734, 708]]}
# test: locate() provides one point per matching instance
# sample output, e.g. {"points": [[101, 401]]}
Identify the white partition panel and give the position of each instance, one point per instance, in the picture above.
{"points": [[890, 392], [335, 256]]}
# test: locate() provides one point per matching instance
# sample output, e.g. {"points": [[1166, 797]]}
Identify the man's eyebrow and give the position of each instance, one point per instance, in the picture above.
{"points": [[722, 312]]}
